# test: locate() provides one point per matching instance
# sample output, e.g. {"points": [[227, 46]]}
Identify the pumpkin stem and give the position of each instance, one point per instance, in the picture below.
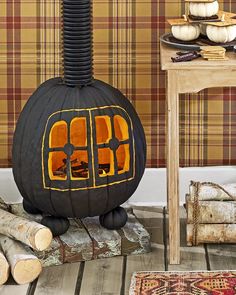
{"points": [[77, 42]]}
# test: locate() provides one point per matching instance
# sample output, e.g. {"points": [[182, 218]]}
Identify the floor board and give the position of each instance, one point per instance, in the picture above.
{"points": [[14, 290], [58, 280], [102, 276], [153, 222], [222, 256], [192, 258]]}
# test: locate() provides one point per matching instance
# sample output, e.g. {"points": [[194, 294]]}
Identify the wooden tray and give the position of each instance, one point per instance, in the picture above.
{"points": [[171, 41]]}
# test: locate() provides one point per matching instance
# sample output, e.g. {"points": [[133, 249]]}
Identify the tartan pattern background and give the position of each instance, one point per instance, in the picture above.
{"points": [[126, 53]]}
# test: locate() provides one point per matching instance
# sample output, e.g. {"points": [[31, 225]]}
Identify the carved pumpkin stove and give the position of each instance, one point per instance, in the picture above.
{"points": [[79, 148]]}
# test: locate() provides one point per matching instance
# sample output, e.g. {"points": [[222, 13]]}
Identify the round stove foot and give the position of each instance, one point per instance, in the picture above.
{"points": [[114, 219], [57, 225]]}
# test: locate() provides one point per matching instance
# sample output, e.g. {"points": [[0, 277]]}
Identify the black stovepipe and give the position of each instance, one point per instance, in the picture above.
{"points": [[77, 42]]}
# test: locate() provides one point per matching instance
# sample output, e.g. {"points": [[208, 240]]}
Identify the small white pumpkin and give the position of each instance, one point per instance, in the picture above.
{"points": [[186, 32], [204, 9], [221, 34]]}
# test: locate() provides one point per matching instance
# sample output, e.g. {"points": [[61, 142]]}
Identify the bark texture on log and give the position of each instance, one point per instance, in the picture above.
{"points": [[25, 267], [28, 232], [18, 210], [4, 269], [106, 243], [212, 211], [77, 243], [213, 192], [53, 255], [212, 233]]}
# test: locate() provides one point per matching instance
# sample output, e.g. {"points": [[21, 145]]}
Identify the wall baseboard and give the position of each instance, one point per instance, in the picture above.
{"points": [[152, 189]]}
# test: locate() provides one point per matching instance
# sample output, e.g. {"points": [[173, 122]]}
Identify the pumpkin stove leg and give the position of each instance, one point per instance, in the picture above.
{"points": [[57, 225], [114, 219], [29, 208]]}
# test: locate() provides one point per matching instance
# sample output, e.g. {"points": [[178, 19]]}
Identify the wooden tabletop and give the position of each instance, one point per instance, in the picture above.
{"points": [[199, 63]]}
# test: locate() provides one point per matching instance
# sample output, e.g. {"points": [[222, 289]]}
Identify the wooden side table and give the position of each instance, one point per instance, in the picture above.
{"points": [[186, 77]]}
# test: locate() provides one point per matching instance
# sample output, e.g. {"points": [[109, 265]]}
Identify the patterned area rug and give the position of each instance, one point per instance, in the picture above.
{"points": [[183, 283]]}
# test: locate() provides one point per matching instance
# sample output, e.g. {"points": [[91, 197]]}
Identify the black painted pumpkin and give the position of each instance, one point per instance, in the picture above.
{"points": [[79, 147], [92, 131]]}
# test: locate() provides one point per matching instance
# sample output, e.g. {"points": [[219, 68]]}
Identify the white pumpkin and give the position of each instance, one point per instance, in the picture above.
{"points": [[186, 32], [221, 34], [204, 9]]}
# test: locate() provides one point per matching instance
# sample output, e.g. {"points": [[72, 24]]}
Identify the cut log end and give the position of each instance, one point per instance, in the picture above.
{"points": [[43, 239], [26, 271], [26, 231], [4, 270], [25, 267]]}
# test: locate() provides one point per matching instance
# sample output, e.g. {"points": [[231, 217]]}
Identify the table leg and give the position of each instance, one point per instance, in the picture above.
{"points": [[173, 167]]}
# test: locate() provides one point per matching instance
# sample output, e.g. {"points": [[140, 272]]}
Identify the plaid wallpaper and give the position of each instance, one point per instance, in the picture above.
{"points": [[126, 47]]}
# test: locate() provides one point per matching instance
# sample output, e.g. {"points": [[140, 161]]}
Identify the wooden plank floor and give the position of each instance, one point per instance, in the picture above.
{"points": [[111, 276]]}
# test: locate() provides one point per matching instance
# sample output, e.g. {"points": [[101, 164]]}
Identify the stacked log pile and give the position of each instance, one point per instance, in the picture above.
{"points": [[18, 237], [211, 213]]}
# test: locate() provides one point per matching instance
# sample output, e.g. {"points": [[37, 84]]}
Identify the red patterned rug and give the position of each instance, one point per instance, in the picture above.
{"points": [[184, 283]]}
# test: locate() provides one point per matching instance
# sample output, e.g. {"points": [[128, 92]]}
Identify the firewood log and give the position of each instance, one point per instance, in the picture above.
{"points": [[212, 211], [212, 233], [4, 206], [213, 192], [4, 269], [28, 232], [25, 267]]}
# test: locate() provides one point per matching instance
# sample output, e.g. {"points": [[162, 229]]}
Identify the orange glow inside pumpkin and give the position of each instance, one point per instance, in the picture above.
{"points": [[121, 128], [58, 135], [79, 160], [57, 165], [78, 132], [79, 165], [106, 162], [123, 158]]}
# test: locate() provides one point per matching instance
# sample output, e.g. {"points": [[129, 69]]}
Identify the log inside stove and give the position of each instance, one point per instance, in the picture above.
{"points": [[80, 169]]}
